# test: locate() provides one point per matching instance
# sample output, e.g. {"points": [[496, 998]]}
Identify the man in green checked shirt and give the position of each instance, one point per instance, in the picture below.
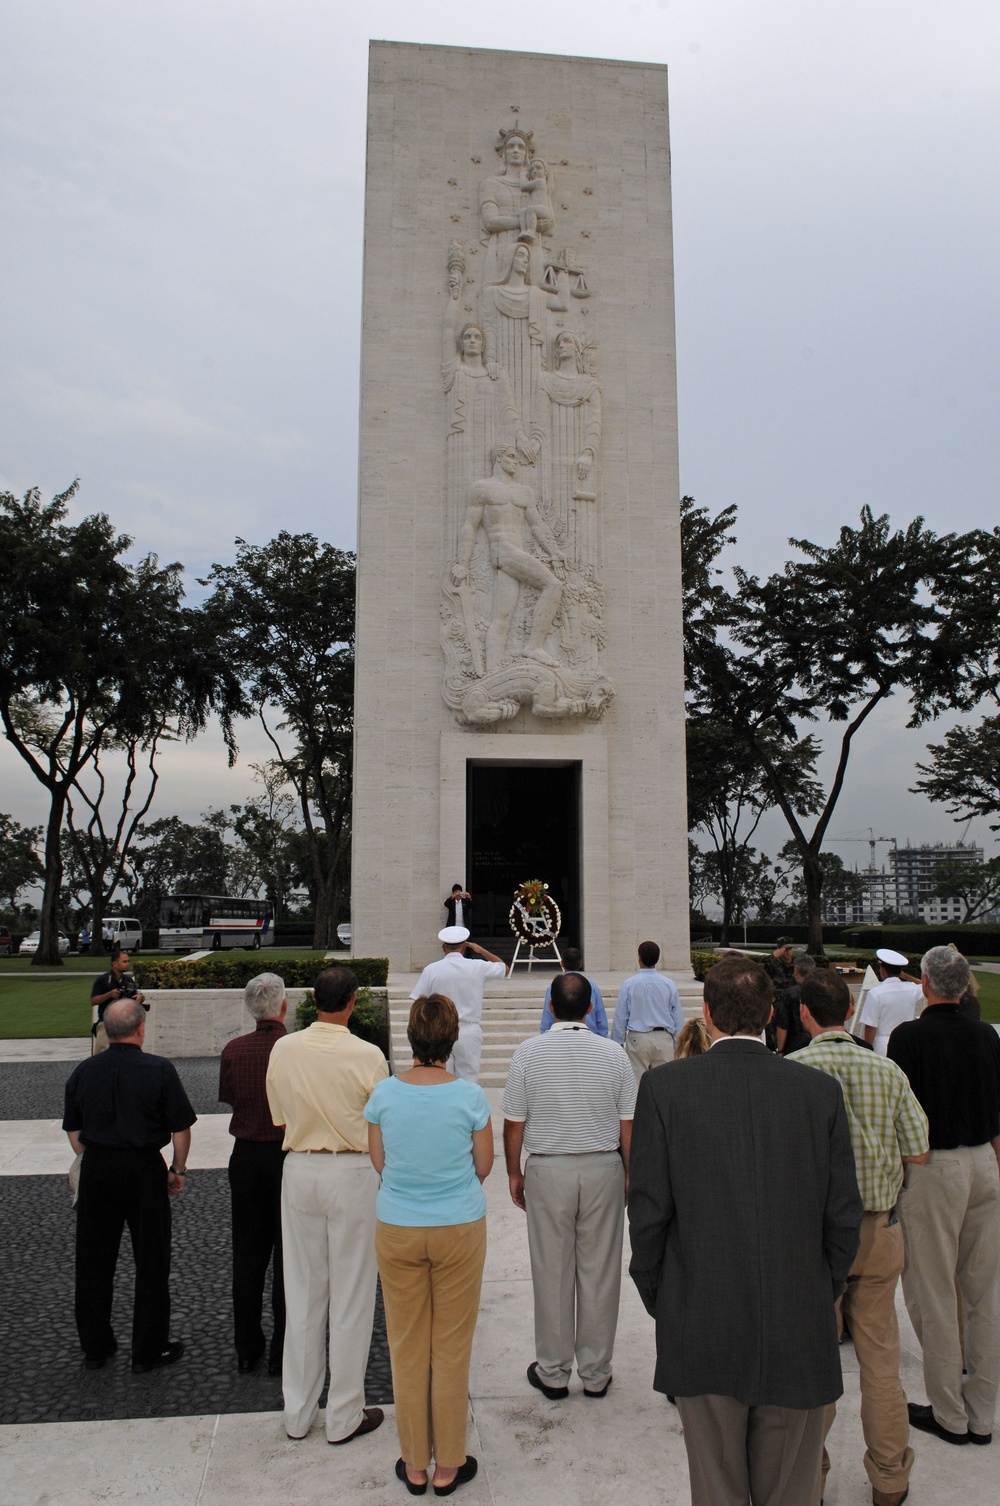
{"points": [[888, 1127]]}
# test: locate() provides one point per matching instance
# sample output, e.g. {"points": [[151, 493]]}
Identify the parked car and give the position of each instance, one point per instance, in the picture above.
{"points": [[30, 944], [6, 942], [127, 931], [344, 933]]}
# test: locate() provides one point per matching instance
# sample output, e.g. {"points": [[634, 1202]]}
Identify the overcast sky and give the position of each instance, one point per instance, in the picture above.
{"points": [[181, 192]]}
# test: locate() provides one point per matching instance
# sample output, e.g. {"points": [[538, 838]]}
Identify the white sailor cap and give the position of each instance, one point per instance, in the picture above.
{"points": [[890, 958], [452, 935]]}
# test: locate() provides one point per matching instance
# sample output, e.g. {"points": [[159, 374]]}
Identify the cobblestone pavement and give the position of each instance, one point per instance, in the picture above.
{"points": [[34, 1090], [43, 1379]]}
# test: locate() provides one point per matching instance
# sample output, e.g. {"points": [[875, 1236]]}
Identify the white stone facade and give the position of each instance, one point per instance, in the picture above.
{"points": [[522, 606]]}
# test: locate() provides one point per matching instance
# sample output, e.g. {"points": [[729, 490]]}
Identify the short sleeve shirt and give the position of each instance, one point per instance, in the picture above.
{"points": [[460, 979], [429, 1178], [890, 1004], [126, 1099], [571, 1089]]}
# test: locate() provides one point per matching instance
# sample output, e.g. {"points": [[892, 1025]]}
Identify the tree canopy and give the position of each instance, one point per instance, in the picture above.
{"points": [[92, 647]]}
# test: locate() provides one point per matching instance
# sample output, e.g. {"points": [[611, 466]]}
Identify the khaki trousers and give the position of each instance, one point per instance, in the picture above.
{"points": [[467, 1052], [869, 1306], [431, 1280], [751, 1456], [328, 1253], [576, 1214], [648, 1048], [950, 1212]]}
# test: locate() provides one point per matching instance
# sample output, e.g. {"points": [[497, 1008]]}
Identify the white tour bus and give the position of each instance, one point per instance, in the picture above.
{"points": [[195, 922]]}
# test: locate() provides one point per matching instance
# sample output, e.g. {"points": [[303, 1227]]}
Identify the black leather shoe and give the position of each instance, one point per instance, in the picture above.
{"points": [[167, 1356], [373, 1418], [465, 1473], [603, 1391], [554, 1393], [98, 1361], [415, 1490], [981, 1438], [246, 1365], [924, 1419]]}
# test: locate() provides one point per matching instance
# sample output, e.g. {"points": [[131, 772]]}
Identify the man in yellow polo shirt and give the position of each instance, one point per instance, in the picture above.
{"points": [[318, 1082]]}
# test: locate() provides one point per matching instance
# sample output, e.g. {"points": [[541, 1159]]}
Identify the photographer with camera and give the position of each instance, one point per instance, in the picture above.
{"points": [[108, 989]]}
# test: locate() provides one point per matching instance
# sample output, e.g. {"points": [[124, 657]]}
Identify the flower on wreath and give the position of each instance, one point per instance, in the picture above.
{"points": [[532, 894]]}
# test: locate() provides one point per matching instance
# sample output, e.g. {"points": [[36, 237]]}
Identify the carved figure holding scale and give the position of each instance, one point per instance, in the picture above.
{"points": [[506, 510]]}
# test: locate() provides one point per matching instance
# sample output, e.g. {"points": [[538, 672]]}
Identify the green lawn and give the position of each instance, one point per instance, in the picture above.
{"points": [[989, 996], [101, 963], [44, 1006]]}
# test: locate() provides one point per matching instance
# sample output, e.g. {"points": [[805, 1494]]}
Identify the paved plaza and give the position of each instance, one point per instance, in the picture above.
{"points": [[202, 1435]]}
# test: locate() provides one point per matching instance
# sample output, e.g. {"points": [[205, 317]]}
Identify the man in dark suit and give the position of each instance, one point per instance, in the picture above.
{"points": [[744, 1215]]}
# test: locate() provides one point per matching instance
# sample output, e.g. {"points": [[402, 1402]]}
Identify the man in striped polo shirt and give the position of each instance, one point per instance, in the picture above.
{"points": [[568, 1103], [888, 1128]]}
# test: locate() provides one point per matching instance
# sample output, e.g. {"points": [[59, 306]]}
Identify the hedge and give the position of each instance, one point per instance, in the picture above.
{"points": [[974, 941], [369, 1017], [236, 972]]}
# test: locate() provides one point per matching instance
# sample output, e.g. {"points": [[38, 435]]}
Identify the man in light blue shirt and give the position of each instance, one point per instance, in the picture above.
{"points": [[597, 1019], [648, 1014]]}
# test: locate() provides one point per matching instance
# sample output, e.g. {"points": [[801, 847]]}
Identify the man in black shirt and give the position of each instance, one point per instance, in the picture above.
{"points": [[792, 1035], [118, 983], [121, 1108], [950, 1208]]}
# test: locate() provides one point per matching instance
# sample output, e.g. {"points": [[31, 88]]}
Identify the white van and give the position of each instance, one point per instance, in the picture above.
{"points": [[127, 931]]}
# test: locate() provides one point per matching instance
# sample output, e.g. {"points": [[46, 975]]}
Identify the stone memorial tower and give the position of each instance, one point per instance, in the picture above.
{"points": [[520, 686]]}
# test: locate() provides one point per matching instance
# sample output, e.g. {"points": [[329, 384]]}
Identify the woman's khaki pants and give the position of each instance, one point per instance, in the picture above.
{"points": [[431, 1279]]}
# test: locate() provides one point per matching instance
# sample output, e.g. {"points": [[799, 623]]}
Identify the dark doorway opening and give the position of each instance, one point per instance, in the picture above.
{"points": [[522, 822]]}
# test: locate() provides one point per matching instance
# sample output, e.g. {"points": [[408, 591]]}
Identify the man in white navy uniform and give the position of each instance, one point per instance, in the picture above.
{"points": [[890, 1002], [568, 1102], [462, 979]]}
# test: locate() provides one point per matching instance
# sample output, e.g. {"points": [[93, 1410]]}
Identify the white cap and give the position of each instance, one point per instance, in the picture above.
{"points": [[452, 935], [890, 958]]}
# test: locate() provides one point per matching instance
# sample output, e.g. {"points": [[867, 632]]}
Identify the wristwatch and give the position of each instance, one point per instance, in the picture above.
{"points": [[178, 1171]]}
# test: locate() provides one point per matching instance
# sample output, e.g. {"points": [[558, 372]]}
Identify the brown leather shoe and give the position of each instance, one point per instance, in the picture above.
{"points": [[889, 1497], [373, 1418]]}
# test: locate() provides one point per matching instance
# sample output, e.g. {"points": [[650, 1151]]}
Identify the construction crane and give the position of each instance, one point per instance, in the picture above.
{"points": [[871, 839]]}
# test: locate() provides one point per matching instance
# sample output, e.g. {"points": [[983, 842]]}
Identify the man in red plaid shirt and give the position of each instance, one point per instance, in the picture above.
{"points": [[255, 1174]]}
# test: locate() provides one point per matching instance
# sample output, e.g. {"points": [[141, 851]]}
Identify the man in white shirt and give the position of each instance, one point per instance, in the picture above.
{"points": [[891, 1002], [462, 979]]}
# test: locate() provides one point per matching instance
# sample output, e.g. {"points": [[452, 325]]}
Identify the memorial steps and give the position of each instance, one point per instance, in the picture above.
{"points": [[512, 1012]]}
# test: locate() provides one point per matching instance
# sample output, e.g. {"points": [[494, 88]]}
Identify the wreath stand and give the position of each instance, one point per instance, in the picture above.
{"points": [[537, 933]]}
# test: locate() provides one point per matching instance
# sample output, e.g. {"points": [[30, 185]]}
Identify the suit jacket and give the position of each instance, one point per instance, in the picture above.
{"points": [[744, 1216], [449, 905]]}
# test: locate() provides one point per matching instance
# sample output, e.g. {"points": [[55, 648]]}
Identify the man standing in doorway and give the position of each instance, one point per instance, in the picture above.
{"points": [[459, 906], [462, 979], [888, 1128], [318, 1082], [648, 1014], [255, 1167], [744, 1216]]}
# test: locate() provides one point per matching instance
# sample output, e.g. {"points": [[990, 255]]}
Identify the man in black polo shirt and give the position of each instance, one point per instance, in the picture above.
{"points": [[121, 1108], [108, 987], [950, 1208]]}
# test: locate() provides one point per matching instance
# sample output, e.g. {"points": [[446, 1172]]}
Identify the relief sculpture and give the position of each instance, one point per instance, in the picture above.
{"points": [[522, 588]]}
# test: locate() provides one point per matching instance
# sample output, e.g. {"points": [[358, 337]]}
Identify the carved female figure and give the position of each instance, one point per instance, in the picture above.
{"points": [[566, 433], [480, 413], [513, 202], [513, 314]]}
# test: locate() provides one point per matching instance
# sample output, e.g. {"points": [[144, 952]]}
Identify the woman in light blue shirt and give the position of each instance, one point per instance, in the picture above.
{"points": [[430, 1136]]}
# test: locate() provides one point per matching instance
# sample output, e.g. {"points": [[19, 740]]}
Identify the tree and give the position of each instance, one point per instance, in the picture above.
{"points": [[728, 793], [91, 648], [977, 885], [171, 856], [266, 829], [737, 879], [831, 636], [101, 824], [964, 772], [285, 612], [841, 886], [19, 863]]}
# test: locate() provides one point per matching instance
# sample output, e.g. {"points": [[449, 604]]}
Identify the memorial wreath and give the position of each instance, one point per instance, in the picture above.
{"points": [[534, 915]]}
